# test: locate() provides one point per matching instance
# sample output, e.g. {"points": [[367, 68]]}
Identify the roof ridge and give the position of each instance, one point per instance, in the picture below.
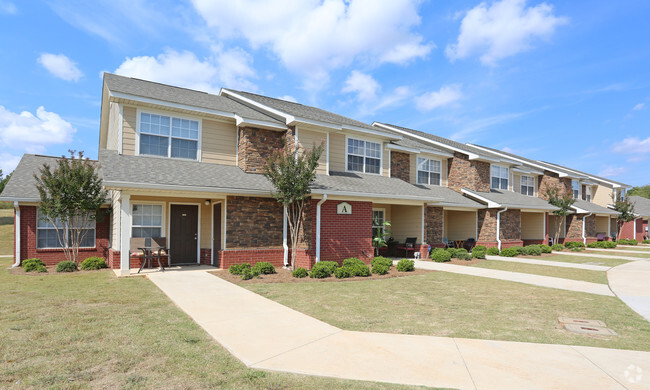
{"points": [[159, 83]]}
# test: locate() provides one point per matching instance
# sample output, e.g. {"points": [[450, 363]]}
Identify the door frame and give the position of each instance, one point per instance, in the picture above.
{"points": [[221, 203], [198, 225]]}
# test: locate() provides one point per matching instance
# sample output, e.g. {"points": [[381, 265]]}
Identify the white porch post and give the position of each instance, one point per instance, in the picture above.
{"points": [[284, 236], [125, 242], [17, 236]]}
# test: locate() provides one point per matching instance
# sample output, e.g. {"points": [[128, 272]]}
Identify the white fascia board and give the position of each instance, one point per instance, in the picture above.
{"points": [[368, 195], [297, 121], [402, 148], [141, 99], [272, 111], [578, 210], [436, 152], [490, 204], [373, 132], [174, 187], [241, 121], [528, 171], [457, 206], [522, 161], [598, 179]]}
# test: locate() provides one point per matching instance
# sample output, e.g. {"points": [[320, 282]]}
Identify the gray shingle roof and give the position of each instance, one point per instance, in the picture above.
{"points": [[514, 200], [641, 205], [593, 208], [584, 173], [189, 97]]}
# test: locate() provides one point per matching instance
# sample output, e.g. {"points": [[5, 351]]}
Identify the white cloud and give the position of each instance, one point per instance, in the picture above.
{"points": [[633, 145], [288, 98], [312, 37], [639, 107], [8, 8], [230, 68], [447, 94], [364, 85], [8, 163], [502, 30], [60, 66], [610, 171], [32, 133]]}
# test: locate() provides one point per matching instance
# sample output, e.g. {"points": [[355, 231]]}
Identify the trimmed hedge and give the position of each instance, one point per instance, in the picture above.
{"points": [[557, 247], [574, 244], [93, 263], [321, 270], [343, 272], [405, 265], [460, 253], [300, 273], [440, 255], [264, 268], [330, 265], [545, 248], [625, 241], [66, 266], [493, 251], [250, 273], [479, 247], [646, 241], [479, 253], [380, 260], [510, 252], [34, 265], [534, 250], [238, 269], [380, 269]]}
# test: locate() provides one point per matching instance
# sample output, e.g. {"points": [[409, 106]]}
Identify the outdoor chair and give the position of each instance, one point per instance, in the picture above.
{"points": [[447, 243], [149, 249], [409, 245], [469, 244], [601, 236]]}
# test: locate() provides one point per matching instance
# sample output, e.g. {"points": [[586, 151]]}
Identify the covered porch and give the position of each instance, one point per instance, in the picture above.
{"points": [[460, 227], [533, 227], [407, 225]]}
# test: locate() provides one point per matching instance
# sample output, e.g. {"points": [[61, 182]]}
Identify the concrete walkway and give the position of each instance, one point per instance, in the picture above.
{"points": [[560, 264], [631, 283], [536, 280], [599, 256], [619, 250], [266, 335]]}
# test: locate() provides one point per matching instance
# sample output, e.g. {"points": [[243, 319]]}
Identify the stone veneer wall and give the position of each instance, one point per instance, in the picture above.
{"points": [[574, 228], [400, 165], [510, 232], [433, 225], [463, 173], [549, 180], [253, 222], [255, 145]]}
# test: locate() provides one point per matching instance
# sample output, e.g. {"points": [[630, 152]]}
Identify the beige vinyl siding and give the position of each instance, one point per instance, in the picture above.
{"points": [[116, 218], [218, 143], [385, 161], [532, 226], [516, 183], [413, 170], [337, 152], [552, 226], [112, 141], [613, 226], [602, 224], [306, 141], [601, 195], [459, 225], [406, 222], [129, 115]]}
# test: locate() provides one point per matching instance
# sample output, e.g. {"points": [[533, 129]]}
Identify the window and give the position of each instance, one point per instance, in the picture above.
{"points": [[47, 237], [428, 171], [588, 193], [528, 185], [576, 189], [147, 220], [378, 219], [363, 156], [500, 176], [167, 136]]}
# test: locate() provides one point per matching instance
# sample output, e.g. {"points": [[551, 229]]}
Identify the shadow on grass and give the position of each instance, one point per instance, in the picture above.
{"points": [[6, 220]]}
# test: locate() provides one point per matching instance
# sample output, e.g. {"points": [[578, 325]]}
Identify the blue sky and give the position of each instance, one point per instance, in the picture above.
{"points": [[562, 81]]}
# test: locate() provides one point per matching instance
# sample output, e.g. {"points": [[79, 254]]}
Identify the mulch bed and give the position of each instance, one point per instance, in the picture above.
{"points": [[285, 276]]}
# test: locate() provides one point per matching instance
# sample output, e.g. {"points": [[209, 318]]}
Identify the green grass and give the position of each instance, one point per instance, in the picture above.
{"points": [[614, 253], [546, 270], [453, 305], [6, 231], [93, 330], [581, 260], [639, 248]]}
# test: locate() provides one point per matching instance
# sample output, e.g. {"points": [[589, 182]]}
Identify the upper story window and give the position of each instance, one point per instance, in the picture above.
{"points": [[429, 171], [363, 156], [499, 177], [576, 189], [528, 185], [588, 193], [168, 136]]}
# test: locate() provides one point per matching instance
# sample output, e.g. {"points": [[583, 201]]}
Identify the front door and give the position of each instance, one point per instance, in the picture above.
{"points": [[216, 234], [183, 233]]}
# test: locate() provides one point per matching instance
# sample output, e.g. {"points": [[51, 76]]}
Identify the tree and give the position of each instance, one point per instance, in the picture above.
{"points": [[291, 173], [563, 200], [643, 191], [3, 182], [71, 195], [380, 235], [625, 209]]}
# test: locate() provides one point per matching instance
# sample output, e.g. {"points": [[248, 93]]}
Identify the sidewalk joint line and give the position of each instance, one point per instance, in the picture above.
{"points": [[295, 348], [464, 363], [597, 366]]}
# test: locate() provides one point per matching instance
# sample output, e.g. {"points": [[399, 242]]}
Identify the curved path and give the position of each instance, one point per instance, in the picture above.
{"points": [[266, 335], [631, 283]]}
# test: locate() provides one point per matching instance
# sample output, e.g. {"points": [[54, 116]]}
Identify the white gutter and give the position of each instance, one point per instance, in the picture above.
{"points": [[490, 204], [17, 235], [584, 234], [499, 226], [284, 237], [320, 202]]}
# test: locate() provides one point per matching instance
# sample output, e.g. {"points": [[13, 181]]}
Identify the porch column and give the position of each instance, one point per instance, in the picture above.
{"points": [[125, 242]]}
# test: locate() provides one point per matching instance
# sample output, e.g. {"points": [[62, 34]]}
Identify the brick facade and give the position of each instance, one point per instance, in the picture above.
{"points": [[463, 173], [549, 180], [574, 228], [253, 222], [433, 226], [255, 145], [400, 166], [510, 229]]}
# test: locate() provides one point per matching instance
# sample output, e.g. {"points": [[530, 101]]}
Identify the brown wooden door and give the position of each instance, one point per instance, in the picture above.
{"points": [[216, 234], [183, 233]]}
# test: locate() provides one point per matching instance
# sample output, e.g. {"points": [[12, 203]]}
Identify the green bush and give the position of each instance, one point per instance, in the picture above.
{"points": [[352, 261], [92, 263], [405, 265], [594, 245], [238, 269], [34, 265], [343, 272], [440, 255], [463, 256], [534, 250], [250, 273], [634, 241], [265, 268], [300, 273], [381, 260], [545, 248], [520, 250], [574, 244], [493, 251], [557, 247], [608, 244], [321, 270], [460, 253], [358, 269], [330, 265], [479, 253], [66, 266], [510, 252], [451, 251], [380, 269], [644, 241]]}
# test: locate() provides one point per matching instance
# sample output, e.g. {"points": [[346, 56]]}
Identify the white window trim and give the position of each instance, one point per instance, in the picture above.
{"points": [[171, 115], [383, 210], [579, 189], [534, 184], [163, 228], [588, 193], [65, 235], [381, 155], [418, 170], [500, 178]]}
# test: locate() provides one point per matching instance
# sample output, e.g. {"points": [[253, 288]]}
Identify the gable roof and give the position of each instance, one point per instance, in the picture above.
{"points": [[582, 205], [598, 178], [641, 205], [510, 199]]}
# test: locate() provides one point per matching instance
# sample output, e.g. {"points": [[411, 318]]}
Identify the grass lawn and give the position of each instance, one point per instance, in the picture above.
{"points": [[581, 260], [546, 270], [93, 330], [615, 253], [447, 304], [6, 231], [639, 248]]}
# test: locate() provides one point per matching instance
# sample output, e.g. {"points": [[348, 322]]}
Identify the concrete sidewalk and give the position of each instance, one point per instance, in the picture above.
{"points": [[619, 250], [551, 263], [266, 335], [631, 283], [535, 280], [599, 256]]}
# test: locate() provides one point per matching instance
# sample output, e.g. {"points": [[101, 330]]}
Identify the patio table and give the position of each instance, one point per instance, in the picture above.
{"points": [[152, 252], [459, 243]]}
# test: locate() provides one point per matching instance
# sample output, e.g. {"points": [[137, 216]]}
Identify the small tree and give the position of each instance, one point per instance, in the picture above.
{"points": [[71, 195], [3, 181], [626, 212], [291, 173], [563, 200], [380, 235]]}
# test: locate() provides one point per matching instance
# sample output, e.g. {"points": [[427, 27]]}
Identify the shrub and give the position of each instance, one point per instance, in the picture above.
{"points": [[342, 273], [479, 247], [265, 268], [358, 269], [352, 261], [321, 270], [464, 256], [534, 250], [557, 247], [460, 253], [594, 245], [92, 263], [300, 273], [440, 255], [545, 248], [493, 251], [479, 253], [574, 244], [623, 241], [577, 249], [34, 265], [238, 269], [380, 269], [330, 265], [634, 241], [66, 266], [381, 260], [608, 244], [510, 252], [250, 273], [405, 265], [644, 241], [520, 250]]}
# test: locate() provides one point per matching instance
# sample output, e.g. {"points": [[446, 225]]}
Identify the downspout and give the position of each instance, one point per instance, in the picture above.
{"points": [[17, 236], [320, 202], [499, 226], [584, 229], [284, 237]]}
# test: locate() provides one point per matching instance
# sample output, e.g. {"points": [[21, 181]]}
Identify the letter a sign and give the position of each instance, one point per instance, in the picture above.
{"points": [[343, 208]]}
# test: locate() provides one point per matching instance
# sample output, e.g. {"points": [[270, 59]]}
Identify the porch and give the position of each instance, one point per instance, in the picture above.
{"points": [[460, 227], [407, 222], [533, 228]]}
